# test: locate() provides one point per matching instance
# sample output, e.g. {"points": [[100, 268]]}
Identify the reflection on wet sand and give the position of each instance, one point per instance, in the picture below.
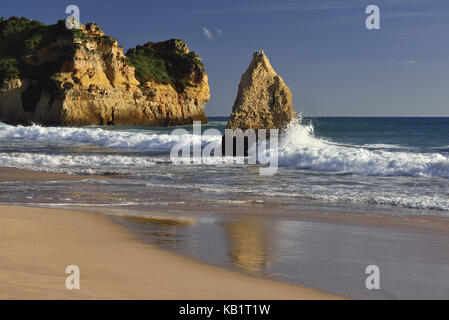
{"points": [[324, 255], [170, 232], [246, 242], [249, 243]]}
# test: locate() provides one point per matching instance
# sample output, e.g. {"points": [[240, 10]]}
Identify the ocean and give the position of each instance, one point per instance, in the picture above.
{"points": [[395, 165], [229, 215]]}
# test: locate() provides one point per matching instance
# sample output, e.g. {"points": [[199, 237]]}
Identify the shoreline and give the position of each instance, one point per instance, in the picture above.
{"points": [[14, 174], [243, 245], [38, 244], [416, 222]]}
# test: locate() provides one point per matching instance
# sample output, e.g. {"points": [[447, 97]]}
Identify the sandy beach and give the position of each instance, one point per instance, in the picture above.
{"points": [[236, 251], [36, 246]]}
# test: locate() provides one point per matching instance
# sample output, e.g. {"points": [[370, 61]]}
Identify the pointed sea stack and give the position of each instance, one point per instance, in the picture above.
{"points": [[263, 100]]}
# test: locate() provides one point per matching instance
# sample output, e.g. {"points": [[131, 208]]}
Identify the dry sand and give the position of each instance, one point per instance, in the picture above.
{"points": [[36, 246]]}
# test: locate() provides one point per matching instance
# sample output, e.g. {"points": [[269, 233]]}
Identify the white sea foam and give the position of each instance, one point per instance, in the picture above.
{"points": [[384, 146], [300, 148], [91, 164], [132, 139]]}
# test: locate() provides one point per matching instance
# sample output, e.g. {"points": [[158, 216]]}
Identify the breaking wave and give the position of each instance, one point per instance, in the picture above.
{"points": [[299, 147], [77, 164], [131, 139]]}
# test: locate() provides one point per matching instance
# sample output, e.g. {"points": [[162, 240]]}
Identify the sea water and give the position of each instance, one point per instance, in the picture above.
{"points": [[390, 163], [229, 215]]}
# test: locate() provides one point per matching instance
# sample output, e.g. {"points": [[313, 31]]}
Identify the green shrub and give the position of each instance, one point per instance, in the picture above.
{"points": [[20, 37], [148, 65], [164, 62], [8, 68]]}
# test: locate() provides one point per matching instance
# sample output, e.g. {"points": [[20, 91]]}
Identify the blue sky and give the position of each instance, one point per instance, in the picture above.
{"points": [[333, 65]]}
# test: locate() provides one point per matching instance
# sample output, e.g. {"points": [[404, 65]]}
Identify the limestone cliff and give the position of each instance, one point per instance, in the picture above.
{"points": [[263, 100], [55, 76]]}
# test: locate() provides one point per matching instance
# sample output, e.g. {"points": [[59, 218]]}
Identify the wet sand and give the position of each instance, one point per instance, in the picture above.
{"points": [[13, 174], [354, 217], [36, 246], [321, 250]]}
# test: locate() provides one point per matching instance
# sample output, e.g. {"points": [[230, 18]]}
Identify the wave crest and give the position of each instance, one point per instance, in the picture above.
{"points": [[299, 147], [130, 139]]}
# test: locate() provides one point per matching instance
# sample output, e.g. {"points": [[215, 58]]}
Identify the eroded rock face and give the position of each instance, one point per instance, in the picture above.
{"points": [[263, 100], [90, 81]]}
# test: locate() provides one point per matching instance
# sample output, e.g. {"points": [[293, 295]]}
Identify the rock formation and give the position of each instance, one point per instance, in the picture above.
{"points": [[55, 76], [263, 100]]}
